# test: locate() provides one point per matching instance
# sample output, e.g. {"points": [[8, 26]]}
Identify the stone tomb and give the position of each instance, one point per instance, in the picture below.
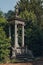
{"points": [[16, 48]]}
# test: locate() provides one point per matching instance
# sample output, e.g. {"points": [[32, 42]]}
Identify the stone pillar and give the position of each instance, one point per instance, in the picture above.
{"points": [[15, 43], [16, 38], [22, 35], [9, 32]]}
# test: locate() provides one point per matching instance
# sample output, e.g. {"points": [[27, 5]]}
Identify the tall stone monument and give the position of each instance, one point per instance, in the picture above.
{"points": [[16, 49]]}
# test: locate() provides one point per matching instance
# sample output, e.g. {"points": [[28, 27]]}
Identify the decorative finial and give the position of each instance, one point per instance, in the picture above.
{"points": [[17, 11]]}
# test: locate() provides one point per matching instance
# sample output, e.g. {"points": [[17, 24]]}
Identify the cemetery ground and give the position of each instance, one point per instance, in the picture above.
{"points": [[18, 64], [34, 63], [38, 61]]}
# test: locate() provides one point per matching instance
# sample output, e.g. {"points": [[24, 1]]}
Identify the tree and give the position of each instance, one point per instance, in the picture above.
{"points": [[32, 11], [32, 5], [4, 41], [9, 14], [36, 7]]}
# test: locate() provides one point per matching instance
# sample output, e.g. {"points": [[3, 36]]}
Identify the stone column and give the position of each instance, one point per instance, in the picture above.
{"points": [[22, 35], [16, 39], [16, 36], [9, 32], [15, 43]]}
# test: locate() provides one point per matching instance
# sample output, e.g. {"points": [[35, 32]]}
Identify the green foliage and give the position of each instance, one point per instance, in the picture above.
{"points": [[4, 45], [10, 14], [33, 6], [28, 15], [2, 18], [15, 60], [32, 11], [4, 42]]}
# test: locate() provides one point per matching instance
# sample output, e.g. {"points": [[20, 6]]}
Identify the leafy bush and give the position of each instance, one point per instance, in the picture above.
{"points": [[4, 41], [4, 45]]}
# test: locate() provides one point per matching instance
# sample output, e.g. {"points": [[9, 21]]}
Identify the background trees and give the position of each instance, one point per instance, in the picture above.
{"points": [[31, 10], [4, 41]]}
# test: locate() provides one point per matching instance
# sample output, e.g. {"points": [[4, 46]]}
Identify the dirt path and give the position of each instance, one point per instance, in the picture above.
{"points": [[18, 64], [34, 63]]}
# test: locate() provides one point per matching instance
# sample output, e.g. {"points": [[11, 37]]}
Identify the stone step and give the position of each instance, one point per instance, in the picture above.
{"points": [[24, 55]]}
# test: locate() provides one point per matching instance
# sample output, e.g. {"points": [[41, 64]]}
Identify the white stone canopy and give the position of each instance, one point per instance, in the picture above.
{"points": [[15, 22]]}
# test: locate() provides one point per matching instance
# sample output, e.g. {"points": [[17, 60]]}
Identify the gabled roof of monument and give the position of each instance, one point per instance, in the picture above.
{"points": [[15, 18]]}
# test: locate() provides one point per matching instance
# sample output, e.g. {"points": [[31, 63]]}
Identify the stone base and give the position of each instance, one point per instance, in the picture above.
{"points": [[22, 54]]}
